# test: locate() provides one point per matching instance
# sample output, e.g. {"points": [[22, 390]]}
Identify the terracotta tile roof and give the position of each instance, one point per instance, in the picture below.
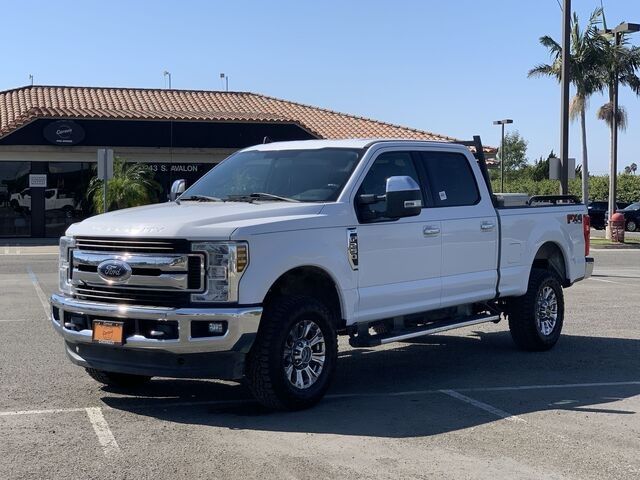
{"points": [[23, 105]]}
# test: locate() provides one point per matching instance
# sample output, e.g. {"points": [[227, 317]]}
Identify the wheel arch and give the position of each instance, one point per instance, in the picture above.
{"points": [[550, 256], [312, 281]]}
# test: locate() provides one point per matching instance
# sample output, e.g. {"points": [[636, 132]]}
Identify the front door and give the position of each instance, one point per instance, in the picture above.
{"points": [[399, 260]]}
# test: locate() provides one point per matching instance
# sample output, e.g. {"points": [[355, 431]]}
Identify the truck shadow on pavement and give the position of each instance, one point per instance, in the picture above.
{"points": [[396, 392]]}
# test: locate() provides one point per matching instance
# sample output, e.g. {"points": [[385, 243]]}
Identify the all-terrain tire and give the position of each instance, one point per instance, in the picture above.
{"points": [[265, 368], [525, 315], [119, 380]]}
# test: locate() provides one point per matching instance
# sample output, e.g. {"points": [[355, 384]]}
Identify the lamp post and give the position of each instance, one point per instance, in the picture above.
{"points": [[503, 123], [564, 98], [618, 33], [225, 77], [166, 74]]}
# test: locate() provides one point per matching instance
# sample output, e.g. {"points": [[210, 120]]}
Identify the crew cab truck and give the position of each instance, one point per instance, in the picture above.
{"points": [[256, 269]]}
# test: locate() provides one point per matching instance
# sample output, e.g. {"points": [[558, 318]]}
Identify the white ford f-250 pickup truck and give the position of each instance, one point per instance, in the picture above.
{"points": [[254, 270]]}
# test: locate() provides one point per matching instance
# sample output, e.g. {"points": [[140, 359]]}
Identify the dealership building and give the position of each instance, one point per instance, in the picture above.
{"points": [[49, 137]]}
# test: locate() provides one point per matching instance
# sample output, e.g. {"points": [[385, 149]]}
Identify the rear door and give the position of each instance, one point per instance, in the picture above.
{"points": [[469, 227]]}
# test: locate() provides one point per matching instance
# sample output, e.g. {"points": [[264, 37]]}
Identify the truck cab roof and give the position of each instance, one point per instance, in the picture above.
{"points": [[358, 143]]}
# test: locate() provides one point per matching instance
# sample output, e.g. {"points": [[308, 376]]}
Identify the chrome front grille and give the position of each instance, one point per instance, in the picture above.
{"points": [[132, 245], [162, 272]]}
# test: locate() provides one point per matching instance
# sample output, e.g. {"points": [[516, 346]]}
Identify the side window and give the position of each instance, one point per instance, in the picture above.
{"points": [[391, 164], [450, 178]]}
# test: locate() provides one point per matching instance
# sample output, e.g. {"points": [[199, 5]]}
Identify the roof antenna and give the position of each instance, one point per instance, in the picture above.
{"points": [[31, 79], [266, 140]]}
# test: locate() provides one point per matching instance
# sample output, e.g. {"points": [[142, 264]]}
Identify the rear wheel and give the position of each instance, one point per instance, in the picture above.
{"points": [[632, 226], [120, 380], [293, 359], [536, 318]]}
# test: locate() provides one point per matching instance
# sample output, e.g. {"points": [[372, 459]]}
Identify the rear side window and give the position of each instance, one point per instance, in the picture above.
{"points": [[450, 178]]}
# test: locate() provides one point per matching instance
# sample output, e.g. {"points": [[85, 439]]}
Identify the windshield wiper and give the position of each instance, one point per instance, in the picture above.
{"points": [[198, 198], [259, 196]]}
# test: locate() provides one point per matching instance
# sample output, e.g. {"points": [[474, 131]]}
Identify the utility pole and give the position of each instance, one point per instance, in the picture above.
{"points": [[564, 109]]}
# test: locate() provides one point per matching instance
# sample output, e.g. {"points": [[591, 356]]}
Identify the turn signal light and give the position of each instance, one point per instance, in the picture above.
{"points": [[242, 258]]}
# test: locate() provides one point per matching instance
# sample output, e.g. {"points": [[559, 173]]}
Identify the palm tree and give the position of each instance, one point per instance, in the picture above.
{"points": [[132, 185], [584, 61], [618, 67]]}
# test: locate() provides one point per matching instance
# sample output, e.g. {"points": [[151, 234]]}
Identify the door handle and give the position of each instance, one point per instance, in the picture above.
{"points": [[430, 231], [487, 226]]}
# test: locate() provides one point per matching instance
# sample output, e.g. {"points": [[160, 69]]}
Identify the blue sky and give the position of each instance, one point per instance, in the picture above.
{"points": [[449, 67]]}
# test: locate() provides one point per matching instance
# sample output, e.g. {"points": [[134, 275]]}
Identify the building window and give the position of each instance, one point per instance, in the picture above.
{"points": [[15, 199]]}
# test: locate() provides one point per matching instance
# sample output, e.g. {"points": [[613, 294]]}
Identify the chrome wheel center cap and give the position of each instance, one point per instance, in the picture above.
{"points": [[301, 354]]}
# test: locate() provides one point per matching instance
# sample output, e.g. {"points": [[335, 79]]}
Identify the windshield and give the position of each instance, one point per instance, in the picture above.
{"points": [[303, 175]]}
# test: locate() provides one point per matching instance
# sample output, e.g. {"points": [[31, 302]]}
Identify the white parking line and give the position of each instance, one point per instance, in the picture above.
{"points": [[13, 413], [611, 281], [15, 320], [405, 393], [103, 432], [41, 296], [484, 406]]}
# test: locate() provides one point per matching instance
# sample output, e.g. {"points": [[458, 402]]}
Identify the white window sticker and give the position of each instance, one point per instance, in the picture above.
{"points": [[443, 195]]}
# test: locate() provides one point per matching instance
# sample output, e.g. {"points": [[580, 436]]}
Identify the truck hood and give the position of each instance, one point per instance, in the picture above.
{"points": [[193, 220]]}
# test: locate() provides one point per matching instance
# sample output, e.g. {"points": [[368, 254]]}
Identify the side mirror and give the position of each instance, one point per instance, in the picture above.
{"points": [[177, 188], [404, 198]]}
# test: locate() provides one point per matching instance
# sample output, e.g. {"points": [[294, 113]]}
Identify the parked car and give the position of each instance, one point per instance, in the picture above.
{"points": [[632, 217], [599, 213], [53, 200], [255, 269]]}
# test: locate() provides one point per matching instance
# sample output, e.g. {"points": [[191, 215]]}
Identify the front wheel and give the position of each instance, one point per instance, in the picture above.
{"points": [[632, 226], [536, 318], [293, 359]]}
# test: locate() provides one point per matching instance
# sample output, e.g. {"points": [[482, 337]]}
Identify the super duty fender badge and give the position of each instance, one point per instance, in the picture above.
{"points": [[352, 247]]}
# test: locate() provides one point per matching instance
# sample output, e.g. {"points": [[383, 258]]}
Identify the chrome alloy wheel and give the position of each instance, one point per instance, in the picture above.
{"points": [[304, 354], [546, 310]]}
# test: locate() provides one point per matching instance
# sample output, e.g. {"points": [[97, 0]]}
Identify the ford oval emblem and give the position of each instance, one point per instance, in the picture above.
{"points": [[114, 271]]}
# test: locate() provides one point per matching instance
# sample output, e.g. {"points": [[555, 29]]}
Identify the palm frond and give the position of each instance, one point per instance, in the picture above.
{"points": [[605, 112], [544, 70]]}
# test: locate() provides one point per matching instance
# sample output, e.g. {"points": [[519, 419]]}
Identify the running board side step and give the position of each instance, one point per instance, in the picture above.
{"points": [[436, 327]]}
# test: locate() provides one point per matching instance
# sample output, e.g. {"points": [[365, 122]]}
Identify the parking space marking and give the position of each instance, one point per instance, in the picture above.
{"points": [[484, 406], [15, 320], [103, 432], [41, 296], [611, 281], [14, 413], [196, 403]]}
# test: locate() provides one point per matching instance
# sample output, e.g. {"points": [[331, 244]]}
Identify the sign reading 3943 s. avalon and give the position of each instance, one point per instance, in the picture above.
{"points": [[63, 132]]}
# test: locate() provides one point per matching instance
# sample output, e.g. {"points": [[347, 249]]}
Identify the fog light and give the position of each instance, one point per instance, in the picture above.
{"points": [[216, 328], [203, 329]]}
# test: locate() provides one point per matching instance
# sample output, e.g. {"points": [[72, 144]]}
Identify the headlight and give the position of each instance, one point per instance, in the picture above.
{"points": [[225, 262], [64, 282]]}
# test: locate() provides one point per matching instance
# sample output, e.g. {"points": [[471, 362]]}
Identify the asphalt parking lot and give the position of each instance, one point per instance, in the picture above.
{"points": [[463, 405]]}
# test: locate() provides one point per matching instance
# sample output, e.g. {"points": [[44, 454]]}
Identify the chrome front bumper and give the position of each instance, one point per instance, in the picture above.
{"points": [[242, 323]]}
